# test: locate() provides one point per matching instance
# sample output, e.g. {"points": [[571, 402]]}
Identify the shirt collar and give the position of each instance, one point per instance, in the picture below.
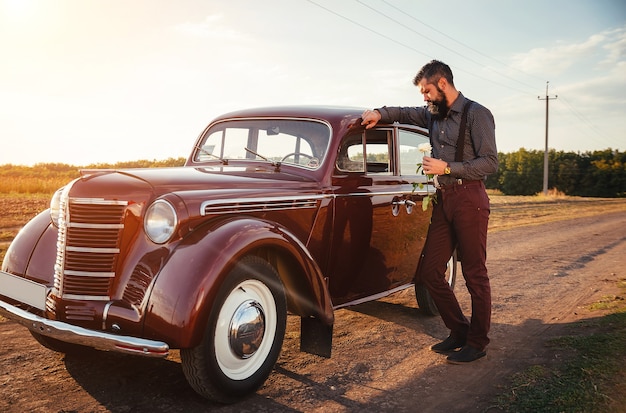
{"points": [[458, 104]]}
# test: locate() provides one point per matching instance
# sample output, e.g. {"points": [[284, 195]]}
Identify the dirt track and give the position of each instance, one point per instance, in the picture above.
{"points": [[543, 277]]}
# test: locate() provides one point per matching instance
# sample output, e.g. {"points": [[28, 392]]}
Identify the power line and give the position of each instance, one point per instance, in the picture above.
{"points": [[410, 47], [459, 42], [415, 31], [366, 28], [593, 128], [389, 38], [440, 44]]}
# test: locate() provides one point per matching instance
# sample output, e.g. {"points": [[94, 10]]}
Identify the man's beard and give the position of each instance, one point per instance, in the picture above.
{"points": [[439, 108]]}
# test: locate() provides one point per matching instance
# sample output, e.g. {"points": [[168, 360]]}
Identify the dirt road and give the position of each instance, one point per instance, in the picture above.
{"points": [[543, 278]]}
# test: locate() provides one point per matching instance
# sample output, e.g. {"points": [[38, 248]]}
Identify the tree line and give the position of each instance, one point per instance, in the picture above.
{"points": [[589, 174]]}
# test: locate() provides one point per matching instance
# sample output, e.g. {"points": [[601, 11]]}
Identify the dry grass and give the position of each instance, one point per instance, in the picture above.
{"points": [[15, 212], [17, 209], [513, 211]]}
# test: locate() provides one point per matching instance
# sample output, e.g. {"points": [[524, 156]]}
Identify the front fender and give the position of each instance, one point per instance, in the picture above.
{"points": [[183, 292], [32, 253]]}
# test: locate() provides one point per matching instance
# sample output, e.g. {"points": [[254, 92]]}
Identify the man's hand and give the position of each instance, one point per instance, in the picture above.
{"points": [[370, 118], [432, 166]]}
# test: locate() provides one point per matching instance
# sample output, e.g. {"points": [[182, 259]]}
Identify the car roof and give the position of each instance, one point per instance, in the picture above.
{"points": [[323, 112]]}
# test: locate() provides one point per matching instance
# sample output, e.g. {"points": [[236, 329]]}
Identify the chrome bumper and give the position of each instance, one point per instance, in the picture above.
{"points": [[79, 335]]}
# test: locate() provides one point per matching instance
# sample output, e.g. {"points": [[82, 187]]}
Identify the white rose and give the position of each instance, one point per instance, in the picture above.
{"points": [[425, 147]]}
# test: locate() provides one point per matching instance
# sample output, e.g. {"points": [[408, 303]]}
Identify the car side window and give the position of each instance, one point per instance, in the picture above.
{"points": [[409, 154], [366, 152]]}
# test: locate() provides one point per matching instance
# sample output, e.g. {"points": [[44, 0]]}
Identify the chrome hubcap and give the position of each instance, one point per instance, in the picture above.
{"points": [[247, 327]]}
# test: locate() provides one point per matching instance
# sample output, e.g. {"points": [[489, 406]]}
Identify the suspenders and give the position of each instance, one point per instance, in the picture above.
{"points": [[460, 144]]}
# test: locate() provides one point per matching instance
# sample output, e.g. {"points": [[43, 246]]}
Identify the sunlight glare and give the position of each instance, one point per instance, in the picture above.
{"points": [[17, 9]]}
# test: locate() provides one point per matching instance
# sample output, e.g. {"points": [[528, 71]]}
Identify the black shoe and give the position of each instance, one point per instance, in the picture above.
{"points": [[467, 354], [448, 345]]}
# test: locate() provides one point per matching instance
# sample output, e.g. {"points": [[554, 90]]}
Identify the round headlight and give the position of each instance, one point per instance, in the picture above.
{"points": [[160, 221], [55, 207]]}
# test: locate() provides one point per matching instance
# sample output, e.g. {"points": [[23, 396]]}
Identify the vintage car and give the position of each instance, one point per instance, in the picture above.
{"points": [[277, 211]]}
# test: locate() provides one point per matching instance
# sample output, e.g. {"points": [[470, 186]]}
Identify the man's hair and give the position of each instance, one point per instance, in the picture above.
{"points": [[433, 71]]}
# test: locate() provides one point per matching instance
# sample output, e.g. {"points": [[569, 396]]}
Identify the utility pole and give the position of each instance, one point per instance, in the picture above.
{"points": [[545, 154]]}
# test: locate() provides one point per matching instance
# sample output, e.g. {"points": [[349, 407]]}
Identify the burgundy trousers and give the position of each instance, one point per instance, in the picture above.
{"points": [[459, 220]]}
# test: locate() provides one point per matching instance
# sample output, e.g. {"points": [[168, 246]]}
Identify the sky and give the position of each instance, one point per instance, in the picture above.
{"points": [[105, 81]]}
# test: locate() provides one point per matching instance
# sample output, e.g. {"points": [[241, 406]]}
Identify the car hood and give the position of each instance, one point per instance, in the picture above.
{"points": [[199, 189], [181, 179]]}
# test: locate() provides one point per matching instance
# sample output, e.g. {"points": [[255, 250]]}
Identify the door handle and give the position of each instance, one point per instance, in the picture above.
{"points": [[407, 202], [396, 203]]}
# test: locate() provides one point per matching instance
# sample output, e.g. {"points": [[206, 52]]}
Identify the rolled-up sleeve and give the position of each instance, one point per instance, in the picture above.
{"points": [[409, 115]]}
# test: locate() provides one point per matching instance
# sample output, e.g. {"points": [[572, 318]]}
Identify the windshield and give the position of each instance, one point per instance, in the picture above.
{"points": [[288, 141]]}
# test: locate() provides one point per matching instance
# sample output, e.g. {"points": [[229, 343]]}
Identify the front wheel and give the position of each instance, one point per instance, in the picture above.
{"points": [[424, 299], [244, 334]]}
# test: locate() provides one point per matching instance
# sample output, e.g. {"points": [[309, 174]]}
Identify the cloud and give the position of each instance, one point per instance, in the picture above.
{"points": [[615, 47], [605, 84], [559, 58], [599, 52]]}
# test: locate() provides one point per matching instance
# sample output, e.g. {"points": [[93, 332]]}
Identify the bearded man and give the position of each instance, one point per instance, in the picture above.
{"points": [[462, 135]]}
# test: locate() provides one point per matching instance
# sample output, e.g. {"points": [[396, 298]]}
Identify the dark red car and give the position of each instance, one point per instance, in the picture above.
{"points": [[277, 210]]}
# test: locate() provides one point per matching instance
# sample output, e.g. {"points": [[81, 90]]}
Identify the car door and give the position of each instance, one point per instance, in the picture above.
{"points": [[379, 226], [414, 223]]}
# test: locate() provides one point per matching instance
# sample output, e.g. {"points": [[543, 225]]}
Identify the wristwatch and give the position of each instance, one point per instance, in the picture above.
{"points": [[446, 170]]}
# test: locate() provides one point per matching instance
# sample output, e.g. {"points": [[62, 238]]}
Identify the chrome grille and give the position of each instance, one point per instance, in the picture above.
{"points": [[87, 247]]}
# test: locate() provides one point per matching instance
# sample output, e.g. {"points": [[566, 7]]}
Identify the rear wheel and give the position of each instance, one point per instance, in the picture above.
{"points": [[424, 299], [244, 334]]}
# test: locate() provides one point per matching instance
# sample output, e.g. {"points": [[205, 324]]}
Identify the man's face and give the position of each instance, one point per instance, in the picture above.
{"points": [[434, 97]]}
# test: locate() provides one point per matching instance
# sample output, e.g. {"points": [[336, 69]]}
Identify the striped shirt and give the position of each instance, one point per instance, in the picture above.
{"points": [[480, 155]]}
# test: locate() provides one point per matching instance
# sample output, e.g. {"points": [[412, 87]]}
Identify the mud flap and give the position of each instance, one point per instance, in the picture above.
{"points": [[315, 337]]}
